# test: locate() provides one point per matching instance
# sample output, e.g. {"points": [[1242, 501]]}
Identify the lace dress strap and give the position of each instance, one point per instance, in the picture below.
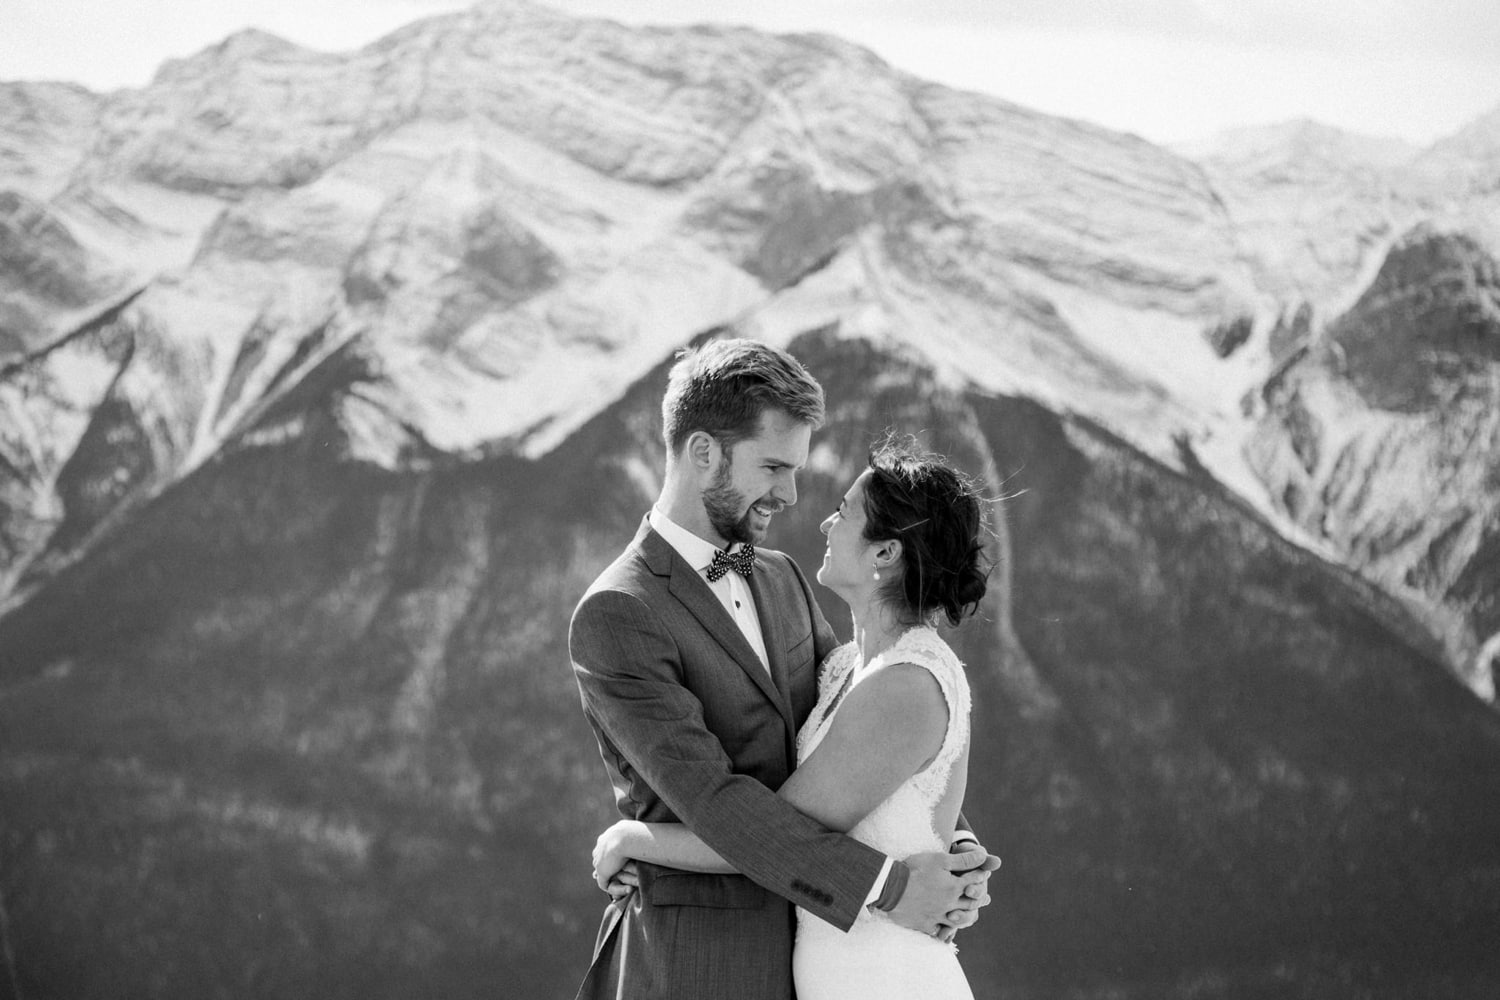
{"points": [[925, 648], [836, 669], [834, 676]]}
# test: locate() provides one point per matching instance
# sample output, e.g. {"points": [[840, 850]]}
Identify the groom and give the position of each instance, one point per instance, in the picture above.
{"points": [[696, 659]]}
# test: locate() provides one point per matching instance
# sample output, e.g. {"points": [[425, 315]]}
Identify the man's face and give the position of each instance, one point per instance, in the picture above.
{"points": [[757, 478]]}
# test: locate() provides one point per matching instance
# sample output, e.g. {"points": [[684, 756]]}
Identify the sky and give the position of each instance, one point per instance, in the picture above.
{"points": [[1172, 71]]}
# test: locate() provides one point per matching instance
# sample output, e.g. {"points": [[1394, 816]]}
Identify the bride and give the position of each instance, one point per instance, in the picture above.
{"points": [[884, 754]]}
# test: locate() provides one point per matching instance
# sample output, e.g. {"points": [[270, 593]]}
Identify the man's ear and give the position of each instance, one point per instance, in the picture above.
{"points": [[703, 451]]}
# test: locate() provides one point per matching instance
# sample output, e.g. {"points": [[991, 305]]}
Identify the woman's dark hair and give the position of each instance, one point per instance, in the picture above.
{"points": [[937, 514]]}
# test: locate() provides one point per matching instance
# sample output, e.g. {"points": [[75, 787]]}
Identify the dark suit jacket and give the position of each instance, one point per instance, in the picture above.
{"points": [[692, 729]]}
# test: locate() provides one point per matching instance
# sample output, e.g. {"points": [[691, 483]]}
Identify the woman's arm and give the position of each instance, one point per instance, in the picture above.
{"points": [[670, 844], [889, 727]]}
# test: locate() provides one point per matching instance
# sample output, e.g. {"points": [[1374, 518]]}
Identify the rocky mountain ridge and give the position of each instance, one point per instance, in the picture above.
{"points": [[1382, 437], [508, 214]]}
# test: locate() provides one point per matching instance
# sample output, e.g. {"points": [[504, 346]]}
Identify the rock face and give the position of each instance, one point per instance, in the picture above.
{"points": [[46, 273], [1427, 332], [328, 382], [47, 127], [1383, 437]]}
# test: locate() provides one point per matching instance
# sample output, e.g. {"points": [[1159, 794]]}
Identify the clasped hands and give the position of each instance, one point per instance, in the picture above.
{"points": [[945, 891], [943, 895]]}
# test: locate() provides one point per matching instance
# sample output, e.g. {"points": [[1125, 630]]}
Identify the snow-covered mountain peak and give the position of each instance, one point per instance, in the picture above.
{"points": [[245, 47], [1476, 144], [506, 190], [1302, 145], [477, 182], [477, 233]]}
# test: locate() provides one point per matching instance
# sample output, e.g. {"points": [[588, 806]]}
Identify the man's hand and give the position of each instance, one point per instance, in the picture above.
{"points": [[939, 892]]}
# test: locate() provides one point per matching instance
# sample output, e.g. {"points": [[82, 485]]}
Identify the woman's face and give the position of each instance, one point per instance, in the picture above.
{"points": [[849, 560]]}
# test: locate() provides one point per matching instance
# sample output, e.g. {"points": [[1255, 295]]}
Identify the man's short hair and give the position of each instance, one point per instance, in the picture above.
{"points": [[725, 386]]}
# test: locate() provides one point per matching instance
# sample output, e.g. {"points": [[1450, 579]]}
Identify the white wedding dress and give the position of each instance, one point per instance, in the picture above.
{"points": [[878, 959]]}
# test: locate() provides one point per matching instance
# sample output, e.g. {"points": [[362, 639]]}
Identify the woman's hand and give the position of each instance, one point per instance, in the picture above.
{"points": [[626, 881], [614, 869]]}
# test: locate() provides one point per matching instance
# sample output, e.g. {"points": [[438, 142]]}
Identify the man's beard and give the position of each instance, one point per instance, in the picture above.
{"points": [[728, 511]]}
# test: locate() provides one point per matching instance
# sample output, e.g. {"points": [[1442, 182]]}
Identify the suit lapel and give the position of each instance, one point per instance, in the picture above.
{"points": [[692, 591], [773, 628]]}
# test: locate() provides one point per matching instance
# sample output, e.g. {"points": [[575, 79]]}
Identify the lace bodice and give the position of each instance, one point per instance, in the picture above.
{"points": [[904, 823]]}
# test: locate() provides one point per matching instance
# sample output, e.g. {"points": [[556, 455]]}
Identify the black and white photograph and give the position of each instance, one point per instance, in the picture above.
{"points": [[839, 500]]}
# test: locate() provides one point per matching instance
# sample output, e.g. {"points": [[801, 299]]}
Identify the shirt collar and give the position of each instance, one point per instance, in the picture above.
{"points": [[697, 551]]}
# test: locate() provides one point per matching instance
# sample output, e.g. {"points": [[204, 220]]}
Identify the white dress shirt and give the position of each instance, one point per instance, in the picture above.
{"points": [[732, 590]]}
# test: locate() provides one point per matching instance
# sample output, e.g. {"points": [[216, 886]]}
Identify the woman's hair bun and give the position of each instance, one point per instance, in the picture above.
{"points": [[937, 513]]}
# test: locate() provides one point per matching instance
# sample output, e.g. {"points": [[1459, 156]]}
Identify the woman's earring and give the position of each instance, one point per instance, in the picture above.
{"points": [[877, 574]]}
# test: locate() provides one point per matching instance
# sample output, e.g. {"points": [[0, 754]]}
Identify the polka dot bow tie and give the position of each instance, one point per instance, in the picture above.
{"points": [[742, 562]]}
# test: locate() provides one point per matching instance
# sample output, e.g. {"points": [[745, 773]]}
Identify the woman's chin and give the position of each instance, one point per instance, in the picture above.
{"points": [[829, 580]]}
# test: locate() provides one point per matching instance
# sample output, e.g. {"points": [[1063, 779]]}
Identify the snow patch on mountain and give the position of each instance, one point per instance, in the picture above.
{"points": [[584, 345]]}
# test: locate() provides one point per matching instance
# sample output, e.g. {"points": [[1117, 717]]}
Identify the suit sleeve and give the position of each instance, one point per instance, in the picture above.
{"points": [[628, 671]]}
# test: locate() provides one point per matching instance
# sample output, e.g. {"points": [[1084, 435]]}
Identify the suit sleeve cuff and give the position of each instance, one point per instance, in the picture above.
{"points": [[879, 886]]}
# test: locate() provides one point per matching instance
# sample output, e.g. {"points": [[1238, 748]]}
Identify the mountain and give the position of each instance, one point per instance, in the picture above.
{"points": [[1381, 361], [309, 728], [329, 381], [1383, 437], [1471, 151], [1300, 147], [1349, 196]]}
